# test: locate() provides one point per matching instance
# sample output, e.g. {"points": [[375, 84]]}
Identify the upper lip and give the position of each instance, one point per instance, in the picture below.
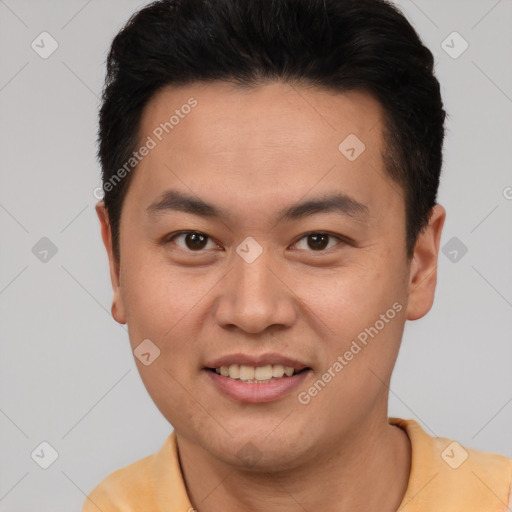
{"points": [[256, 360]]}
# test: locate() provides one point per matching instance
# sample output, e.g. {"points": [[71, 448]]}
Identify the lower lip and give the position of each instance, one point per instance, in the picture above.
{"points": [[255, 392]]}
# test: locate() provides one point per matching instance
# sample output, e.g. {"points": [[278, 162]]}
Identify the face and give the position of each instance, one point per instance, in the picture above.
{"points": [[256, 234]]}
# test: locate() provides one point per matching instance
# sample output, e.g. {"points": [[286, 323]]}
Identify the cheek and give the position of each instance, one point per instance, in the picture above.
{"points": [[350, 298], [170, 389], [157, 297], [360, 312], [165, 306]]}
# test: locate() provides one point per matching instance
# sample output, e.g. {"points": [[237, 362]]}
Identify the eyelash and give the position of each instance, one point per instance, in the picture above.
{"points": [[340, 239]]}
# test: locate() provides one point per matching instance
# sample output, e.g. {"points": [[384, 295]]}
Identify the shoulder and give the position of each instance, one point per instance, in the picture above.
{"points": [[152, 483], [126, 487], [487, 477], [450, 476]]}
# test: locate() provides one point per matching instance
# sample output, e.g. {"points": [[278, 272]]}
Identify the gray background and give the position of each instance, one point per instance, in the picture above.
{"points": [[67, 373]]}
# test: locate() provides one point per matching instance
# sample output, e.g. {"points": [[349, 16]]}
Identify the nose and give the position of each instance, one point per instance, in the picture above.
{"points": [[255, 296]]}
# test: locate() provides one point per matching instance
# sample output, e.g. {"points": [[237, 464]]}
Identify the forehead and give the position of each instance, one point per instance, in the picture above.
{"points": [[228, 117], [275, 143]]}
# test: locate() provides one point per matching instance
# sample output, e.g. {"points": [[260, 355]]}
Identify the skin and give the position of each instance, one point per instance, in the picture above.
{"points": [[254, 152]]}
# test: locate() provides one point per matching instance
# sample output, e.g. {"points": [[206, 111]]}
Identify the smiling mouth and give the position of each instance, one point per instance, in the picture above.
{"points": [[257, 374]]}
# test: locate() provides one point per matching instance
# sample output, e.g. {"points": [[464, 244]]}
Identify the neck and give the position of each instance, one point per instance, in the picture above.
{"points": [[367, 470]]}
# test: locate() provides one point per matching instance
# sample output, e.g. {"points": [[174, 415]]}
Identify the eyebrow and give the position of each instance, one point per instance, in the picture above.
{"points": [[174, 200]]}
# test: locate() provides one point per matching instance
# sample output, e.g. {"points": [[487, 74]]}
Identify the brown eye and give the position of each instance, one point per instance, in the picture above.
{"points": [[317, 241], [193, 240]]}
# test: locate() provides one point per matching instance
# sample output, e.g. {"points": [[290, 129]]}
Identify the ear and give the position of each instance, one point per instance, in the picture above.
{"points": [[423, 268], [118, 309]]}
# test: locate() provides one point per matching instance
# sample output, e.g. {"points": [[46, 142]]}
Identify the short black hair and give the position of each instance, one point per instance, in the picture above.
{"points": [[340, 45]]}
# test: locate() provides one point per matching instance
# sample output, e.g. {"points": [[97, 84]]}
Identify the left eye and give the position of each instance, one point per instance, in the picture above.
{"points": [[318, 241]]}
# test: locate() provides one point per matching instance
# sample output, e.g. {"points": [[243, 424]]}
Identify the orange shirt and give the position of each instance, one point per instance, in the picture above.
{"points": [[445, 477]]}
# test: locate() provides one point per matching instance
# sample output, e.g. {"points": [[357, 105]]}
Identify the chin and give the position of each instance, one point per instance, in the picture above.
{"points": [[250, 458], [261, 452]]}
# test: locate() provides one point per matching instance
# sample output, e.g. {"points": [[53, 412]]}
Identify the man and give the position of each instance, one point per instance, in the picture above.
{"points": [[270, 171]]}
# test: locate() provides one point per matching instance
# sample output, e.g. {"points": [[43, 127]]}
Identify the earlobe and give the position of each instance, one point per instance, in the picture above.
{"points": [[119, 318], [423, 271], [117, 309]]}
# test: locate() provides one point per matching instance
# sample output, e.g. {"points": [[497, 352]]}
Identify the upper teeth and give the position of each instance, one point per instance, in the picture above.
{"points": [[243, 372]]}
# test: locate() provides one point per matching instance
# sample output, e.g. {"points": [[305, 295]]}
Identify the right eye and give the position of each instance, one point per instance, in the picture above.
{"points": [[192, 241]]}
